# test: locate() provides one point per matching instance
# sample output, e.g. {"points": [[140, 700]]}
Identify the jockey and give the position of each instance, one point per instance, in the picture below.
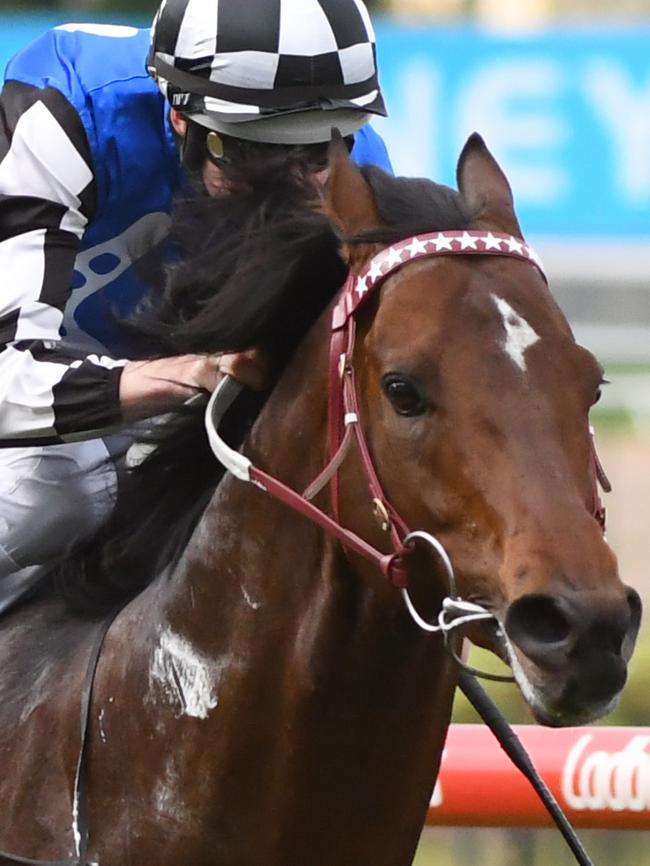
{"points": [[98, 125]]}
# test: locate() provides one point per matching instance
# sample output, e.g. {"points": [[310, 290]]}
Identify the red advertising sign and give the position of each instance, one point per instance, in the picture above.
{"points": [[599, 775]]}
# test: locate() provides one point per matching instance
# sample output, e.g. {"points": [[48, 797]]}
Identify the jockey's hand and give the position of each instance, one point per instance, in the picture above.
{"points": [[152, 387]]}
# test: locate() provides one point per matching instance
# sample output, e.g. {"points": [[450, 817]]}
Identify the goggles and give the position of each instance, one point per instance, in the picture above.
{"points": [[220, 149]]}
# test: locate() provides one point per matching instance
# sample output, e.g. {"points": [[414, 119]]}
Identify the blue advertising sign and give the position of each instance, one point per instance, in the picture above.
{"points": [[566, 113]]}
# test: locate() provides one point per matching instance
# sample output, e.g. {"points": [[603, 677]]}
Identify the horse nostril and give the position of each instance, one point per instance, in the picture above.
{"points": [[635, 605], [635, 608], [537, 624], [616, 626]]}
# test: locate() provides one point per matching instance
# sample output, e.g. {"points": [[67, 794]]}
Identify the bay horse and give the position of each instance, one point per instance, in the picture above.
{"points": [[268, 699]]}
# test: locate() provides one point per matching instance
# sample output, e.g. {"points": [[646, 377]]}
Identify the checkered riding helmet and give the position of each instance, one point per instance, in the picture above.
{"points": [[275, 71]]}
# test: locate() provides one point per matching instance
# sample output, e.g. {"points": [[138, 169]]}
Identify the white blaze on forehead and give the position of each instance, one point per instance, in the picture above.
{"points": [[519, 335], [186, 677]]}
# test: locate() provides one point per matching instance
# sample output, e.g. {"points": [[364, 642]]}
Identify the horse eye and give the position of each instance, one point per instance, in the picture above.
{"points": [[404, 395], [599, 391]]}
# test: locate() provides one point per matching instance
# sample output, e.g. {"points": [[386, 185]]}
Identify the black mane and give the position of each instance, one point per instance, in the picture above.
{"points": [[412, 206], [252, 269]]}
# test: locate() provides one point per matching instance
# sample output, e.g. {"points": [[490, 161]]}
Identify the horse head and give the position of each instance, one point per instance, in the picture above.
{"points": [[475, 397]]}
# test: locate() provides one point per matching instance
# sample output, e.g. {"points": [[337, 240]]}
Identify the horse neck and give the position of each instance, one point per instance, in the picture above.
{"points": [[243, 529], [312, 640], [249, 551]]}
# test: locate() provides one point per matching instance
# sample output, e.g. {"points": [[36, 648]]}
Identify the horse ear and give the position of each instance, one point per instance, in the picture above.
{"points": [[349, 200], [485, 188]]}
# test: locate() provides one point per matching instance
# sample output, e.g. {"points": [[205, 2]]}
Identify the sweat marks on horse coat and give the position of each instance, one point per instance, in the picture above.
{"points": [[254, 605], [519, 335], [168, 799], [332, 707], [184, 676]]}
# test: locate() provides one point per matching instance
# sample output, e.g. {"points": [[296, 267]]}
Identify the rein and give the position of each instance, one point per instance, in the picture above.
{"points": [[344, 423], [455, 611], [344, 426]]}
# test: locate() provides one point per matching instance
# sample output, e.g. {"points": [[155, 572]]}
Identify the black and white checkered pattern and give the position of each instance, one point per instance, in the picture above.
{"points": [[243, 60]]}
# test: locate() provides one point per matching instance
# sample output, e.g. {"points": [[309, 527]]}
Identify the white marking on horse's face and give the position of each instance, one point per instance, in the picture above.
{"points": [[186, 677], [519, 334]]}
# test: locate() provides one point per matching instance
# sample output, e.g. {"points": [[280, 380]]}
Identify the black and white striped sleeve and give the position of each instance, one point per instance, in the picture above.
{"points": [[47, 197]]}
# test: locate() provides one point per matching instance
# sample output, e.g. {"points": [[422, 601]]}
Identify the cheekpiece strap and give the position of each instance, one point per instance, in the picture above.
{"points": [[342, 390]]}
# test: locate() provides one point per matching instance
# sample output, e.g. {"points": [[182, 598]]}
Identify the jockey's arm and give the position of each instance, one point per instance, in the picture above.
{"points": [[150, 387], [48, 391]]}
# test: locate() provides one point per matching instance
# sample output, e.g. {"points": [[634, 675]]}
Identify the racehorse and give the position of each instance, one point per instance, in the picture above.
{"points": [[269, 698]]}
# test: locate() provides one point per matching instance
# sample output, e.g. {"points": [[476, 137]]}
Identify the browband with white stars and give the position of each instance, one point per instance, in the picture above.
{"points": [[423, 246]]}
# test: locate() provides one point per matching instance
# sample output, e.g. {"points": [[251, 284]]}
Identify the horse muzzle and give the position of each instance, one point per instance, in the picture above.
{"points": [[569, 653]]}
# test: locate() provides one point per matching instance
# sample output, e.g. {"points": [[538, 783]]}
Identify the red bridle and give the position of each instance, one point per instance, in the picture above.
{"points": [[344, 422], [343, 402]]}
